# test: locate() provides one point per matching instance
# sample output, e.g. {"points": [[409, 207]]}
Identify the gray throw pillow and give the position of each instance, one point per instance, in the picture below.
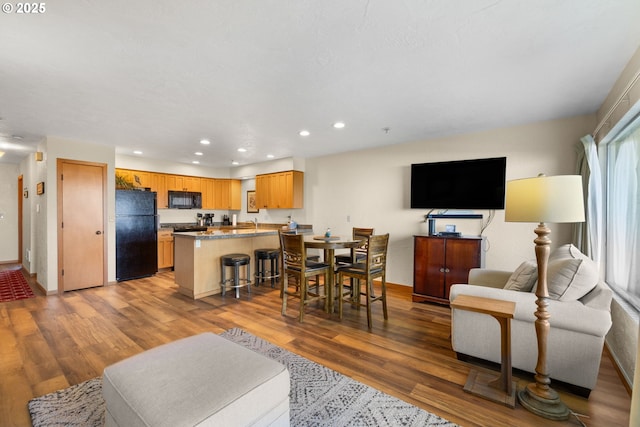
{"points": [[570, 278], [523, 278]]}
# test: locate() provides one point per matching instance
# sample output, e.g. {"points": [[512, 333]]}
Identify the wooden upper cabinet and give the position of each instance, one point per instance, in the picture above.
{"points": [[216, 193], [227, 194], [207, 187], [235, 194], [262, 191], [159, 185], [280, 190], [183, 183], [139, 179], [192, 183]]}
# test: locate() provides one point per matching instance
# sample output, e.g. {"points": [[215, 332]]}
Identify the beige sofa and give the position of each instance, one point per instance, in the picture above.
{"points": [[579, 305]]}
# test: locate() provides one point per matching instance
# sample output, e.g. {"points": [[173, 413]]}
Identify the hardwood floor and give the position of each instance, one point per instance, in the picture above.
{"points": [[49, 343]]}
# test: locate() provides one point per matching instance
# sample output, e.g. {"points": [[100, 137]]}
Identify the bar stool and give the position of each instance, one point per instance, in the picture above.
{"points": [[261, 257], [235, 261]]}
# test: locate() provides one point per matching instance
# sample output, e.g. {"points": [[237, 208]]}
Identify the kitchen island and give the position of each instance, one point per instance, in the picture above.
{"points": [[197, 256]]}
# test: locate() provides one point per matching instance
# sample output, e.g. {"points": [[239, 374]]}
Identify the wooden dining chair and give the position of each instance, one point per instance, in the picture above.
{"points": [[357, 254], [296, 264], [374, 267]]}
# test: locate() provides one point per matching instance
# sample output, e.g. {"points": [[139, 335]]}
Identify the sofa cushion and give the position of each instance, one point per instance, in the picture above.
{"points": [[523, 278], [570, 279], [567, 251]]}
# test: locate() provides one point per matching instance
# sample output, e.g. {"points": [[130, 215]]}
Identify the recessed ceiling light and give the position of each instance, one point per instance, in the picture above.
{"points": [[270, 156], [1, 153], [195, 162], [242, 150], [305, 133], [235, 163], [205, 142], [198, 153], [338, 125], [137, 152]]}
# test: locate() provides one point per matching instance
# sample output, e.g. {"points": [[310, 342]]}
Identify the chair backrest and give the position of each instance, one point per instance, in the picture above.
{"points": [[377, 252], [361, 233], [293, 251]]}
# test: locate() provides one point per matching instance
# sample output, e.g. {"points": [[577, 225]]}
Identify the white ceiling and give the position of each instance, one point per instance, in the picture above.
{"points": [[158, 76]]}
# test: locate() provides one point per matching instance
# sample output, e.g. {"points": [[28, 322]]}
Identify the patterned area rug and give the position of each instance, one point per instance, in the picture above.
{"points": [[13, 286], [319, 397]]}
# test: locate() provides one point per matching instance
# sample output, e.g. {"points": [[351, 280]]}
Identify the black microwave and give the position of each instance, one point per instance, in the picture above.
{"points": [[185, 200]]}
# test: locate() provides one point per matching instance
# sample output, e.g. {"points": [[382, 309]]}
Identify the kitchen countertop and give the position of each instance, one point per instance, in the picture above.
{"points": [[227, 234]]}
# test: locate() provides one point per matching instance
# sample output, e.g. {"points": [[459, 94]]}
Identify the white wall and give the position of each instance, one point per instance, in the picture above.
{"points": [[9, 212], [372, 188], [47, 218]]}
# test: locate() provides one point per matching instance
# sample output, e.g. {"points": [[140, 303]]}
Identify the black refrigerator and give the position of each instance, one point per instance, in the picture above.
{"points": [[136, 234]]}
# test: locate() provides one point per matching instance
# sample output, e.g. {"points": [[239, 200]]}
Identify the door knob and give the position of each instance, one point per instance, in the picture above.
{"points": [[98, 232]]}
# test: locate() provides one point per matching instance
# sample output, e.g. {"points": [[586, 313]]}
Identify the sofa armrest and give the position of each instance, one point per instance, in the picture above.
{"points": [[570, 315], [489, 278]]}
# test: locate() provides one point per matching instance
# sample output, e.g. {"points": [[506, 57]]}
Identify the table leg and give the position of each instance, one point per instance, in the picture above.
{"points": [[503, 382], [329, 258]]}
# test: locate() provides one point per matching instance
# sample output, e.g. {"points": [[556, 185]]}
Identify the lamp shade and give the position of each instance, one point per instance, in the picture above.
{"points": [[545, 199]]}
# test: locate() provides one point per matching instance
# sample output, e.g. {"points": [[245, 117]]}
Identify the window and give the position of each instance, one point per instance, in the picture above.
{"points": [[623, 213]]}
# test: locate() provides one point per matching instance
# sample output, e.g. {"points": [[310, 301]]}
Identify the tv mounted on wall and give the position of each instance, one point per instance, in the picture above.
{"points": [[461, 184]]}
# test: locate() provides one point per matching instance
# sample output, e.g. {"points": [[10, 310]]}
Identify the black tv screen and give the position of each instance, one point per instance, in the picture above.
{"points": [[461, 184]]}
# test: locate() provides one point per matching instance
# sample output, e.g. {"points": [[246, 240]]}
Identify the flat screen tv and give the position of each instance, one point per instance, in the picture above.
{"points": [[461, 184]]}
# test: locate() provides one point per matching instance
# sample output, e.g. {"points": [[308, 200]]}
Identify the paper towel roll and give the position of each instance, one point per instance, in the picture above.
{"points": [[234, 220]]}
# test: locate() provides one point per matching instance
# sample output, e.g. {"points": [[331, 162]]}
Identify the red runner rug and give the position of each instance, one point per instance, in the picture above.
{"points": [[13, 286]]}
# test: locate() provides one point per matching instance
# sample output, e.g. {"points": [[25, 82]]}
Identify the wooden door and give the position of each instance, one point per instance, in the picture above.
{"points": [[81, 225], [428, 266], [461, 256]]}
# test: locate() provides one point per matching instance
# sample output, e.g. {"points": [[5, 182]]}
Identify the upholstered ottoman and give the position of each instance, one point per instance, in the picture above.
{"points": [[202, 380]]}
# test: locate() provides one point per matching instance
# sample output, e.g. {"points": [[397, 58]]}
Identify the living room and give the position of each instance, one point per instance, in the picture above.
{"points": [[381, 176]]}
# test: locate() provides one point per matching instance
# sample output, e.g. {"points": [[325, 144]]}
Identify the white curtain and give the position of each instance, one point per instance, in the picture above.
{"points": [[623, 228], [594, 217]]}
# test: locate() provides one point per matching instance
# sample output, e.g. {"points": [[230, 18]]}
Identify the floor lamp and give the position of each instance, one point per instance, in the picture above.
{"points": [[544, 199]]}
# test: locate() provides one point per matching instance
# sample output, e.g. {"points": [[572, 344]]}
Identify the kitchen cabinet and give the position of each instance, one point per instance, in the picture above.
{"points": [[137, 178], [439, 262], [227, 194], [217, 193], [207, 186], [159, 185], [280, 190], [183, 183], [165, 248]]}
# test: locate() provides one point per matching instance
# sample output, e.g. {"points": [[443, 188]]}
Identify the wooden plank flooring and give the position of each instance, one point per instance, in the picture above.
{"points": [[48, 343]]}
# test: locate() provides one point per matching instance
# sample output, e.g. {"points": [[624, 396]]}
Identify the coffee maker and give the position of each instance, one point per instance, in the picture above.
{"points": [[208, 219], [226, 220]]}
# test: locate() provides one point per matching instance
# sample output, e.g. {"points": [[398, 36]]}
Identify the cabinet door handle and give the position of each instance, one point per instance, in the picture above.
{"points": [[441, 270], [446, 270], [98, 232]]}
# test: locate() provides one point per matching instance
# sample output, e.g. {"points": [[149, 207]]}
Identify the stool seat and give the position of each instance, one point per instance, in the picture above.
{"points": [[235, 260], [267, 254]]}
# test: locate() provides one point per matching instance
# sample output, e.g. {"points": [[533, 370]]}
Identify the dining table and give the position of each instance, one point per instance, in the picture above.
{"points": [[329, 246]]}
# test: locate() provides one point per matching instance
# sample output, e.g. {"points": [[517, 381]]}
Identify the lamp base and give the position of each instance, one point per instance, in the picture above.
{"points": [[551, 408]]}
